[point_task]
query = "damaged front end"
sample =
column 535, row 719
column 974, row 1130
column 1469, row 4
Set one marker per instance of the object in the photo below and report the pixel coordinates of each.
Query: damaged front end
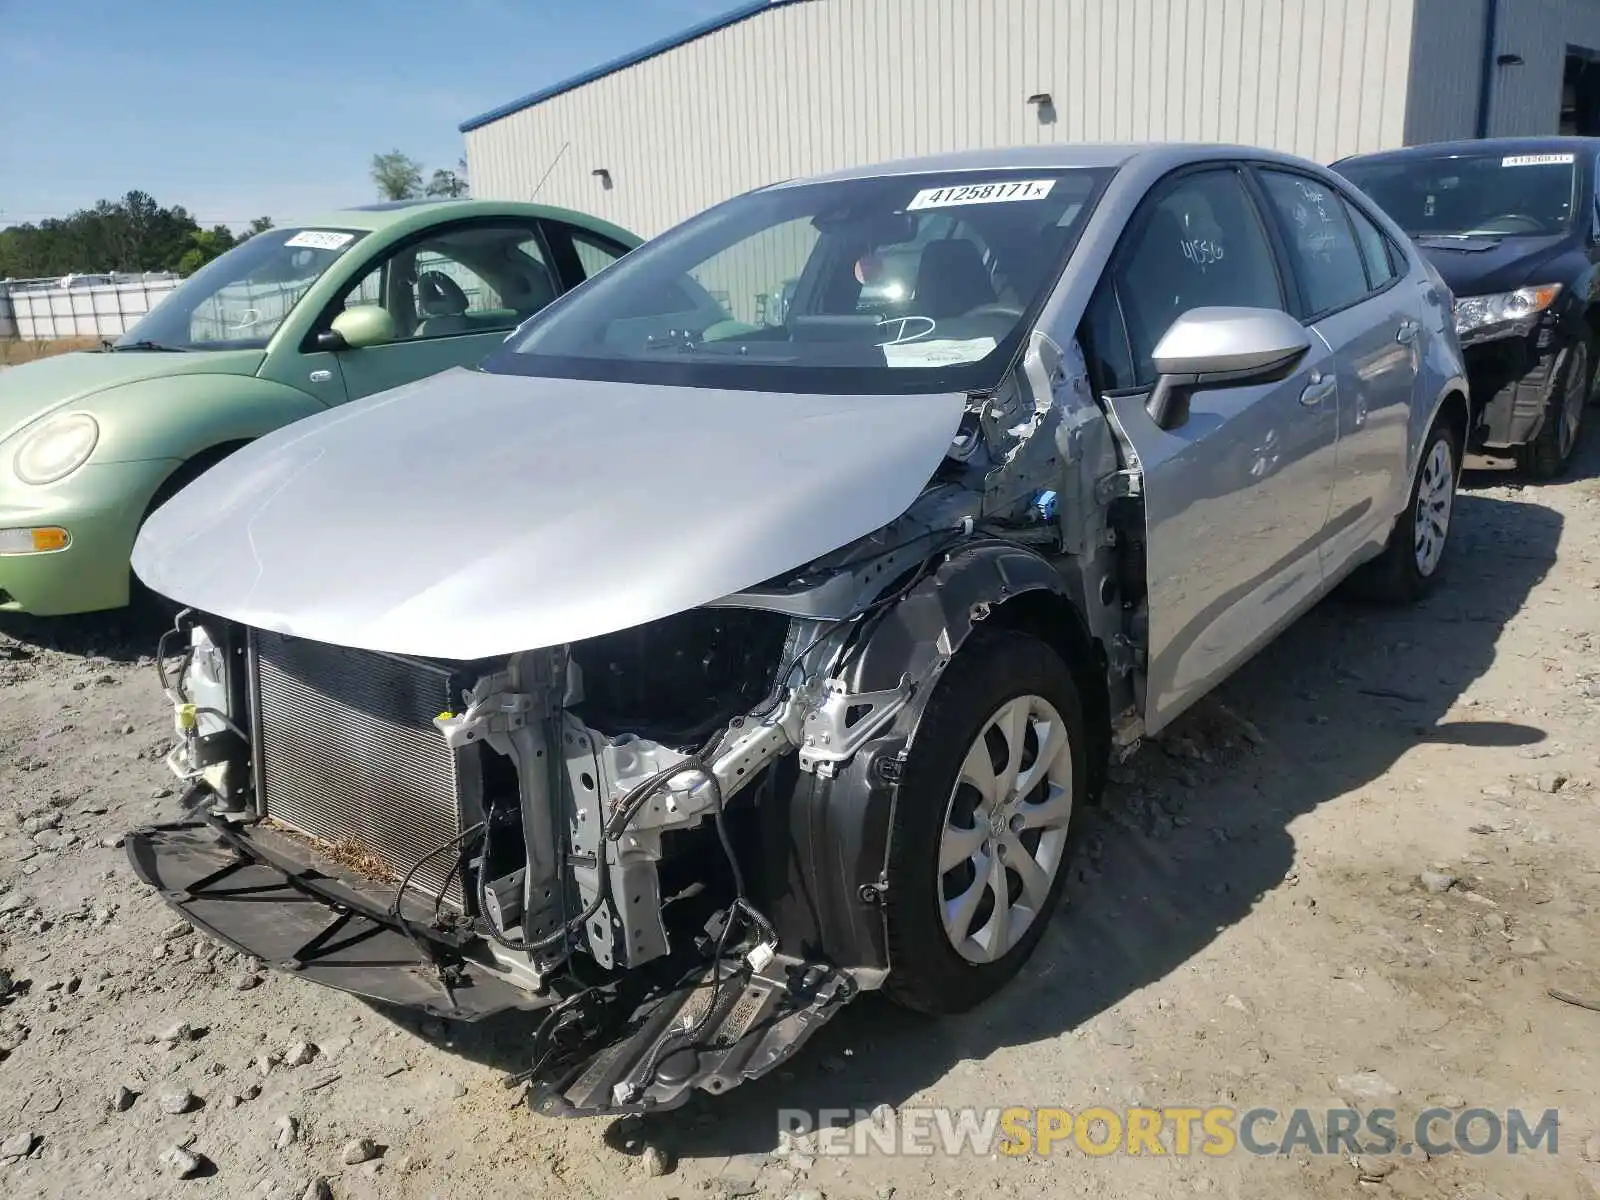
column 671, row 840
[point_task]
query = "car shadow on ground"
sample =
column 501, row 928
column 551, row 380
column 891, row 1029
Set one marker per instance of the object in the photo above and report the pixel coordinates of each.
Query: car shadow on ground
column 1163, row 866
column 123, row 635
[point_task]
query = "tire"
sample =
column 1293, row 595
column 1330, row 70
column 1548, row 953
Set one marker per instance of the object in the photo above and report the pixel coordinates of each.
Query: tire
column 1550, row 453
column 999, row 674
column 1404, row 573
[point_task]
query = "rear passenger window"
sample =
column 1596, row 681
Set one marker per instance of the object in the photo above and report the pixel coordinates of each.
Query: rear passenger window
column 1321, row 243
column 1375, row 251
column 1199, row 244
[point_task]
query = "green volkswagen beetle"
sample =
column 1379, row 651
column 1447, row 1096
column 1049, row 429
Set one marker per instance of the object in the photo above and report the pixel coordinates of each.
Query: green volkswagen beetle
column 287, row 324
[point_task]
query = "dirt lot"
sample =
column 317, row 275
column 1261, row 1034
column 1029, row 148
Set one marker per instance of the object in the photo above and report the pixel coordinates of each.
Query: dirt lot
column 1247, row 925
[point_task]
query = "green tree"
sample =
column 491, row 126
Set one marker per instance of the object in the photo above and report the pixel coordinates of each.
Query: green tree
column 259, row 225
column 447, row 184
column 134, row 233
column 204, row 245
column 397, row 176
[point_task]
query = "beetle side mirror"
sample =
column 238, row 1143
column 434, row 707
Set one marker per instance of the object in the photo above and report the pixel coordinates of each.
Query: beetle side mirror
column 1219, row 347
column 360, row 326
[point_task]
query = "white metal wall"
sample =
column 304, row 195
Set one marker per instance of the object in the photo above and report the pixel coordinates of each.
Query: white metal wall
column 830, row 83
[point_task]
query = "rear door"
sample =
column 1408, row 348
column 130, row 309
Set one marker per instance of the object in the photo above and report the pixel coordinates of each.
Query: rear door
column 1350, row 290
column 1235, row 496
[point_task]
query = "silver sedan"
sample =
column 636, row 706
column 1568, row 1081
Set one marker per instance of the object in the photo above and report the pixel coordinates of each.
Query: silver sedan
column 750, row 628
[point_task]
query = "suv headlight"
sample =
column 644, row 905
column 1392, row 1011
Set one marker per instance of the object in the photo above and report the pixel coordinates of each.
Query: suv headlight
column 57, row 448
column 1505, row 312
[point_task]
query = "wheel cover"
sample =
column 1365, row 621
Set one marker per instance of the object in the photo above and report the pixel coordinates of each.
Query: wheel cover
column 1436, row 493
column 1005, row 828
column 1574, row 397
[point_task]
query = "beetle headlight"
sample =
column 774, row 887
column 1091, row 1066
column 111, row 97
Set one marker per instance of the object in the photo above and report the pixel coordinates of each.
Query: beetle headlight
column 1505, row 312
column 57, row 448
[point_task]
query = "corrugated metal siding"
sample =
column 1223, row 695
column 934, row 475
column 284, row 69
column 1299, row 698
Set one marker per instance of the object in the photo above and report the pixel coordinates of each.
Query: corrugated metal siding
column 1446, row 56
column 1527, row 98
column 832, row 83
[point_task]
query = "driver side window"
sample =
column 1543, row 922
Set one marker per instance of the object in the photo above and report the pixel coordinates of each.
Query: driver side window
column 466, row 280
column 1196, row 242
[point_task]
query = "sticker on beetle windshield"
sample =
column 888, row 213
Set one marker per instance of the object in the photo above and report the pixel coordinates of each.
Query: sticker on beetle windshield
column 321, row 239
column 939, row 352
column 998, row 192
column 1537, row 160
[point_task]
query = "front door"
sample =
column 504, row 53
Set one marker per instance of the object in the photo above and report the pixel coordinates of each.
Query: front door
column 1236, row 494
column 453, row 297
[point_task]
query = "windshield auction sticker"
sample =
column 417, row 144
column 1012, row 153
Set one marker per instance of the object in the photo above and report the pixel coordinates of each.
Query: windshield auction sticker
column 320, row 239
column 999, row 192
column 939, row 352
column 1537, row 160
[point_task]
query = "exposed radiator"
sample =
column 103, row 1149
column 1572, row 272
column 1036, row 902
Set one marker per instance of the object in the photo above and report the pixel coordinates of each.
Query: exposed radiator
column 346, row 751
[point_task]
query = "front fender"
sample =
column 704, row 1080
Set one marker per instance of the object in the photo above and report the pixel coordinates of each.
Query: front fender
column 825, row 837
column 921, row 634
column 180, row 417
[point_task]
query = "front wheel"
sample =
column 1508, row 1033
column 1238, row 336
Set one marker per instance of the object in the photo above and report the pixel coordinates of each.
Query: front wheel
column 979, row 840
column 1410, row 564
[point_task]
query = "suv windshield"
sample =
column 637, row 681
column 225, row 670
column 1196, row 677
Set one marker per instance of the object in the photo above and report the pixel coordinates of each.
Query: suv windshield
column 1463, row 195
column 238, row 300
column 897, row 284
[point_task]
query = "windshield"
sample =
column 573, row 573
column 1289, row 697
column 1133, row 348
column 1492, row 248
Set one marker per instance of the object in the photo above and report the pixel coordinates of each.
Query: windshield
column 238, row 300
column 1487, row 195
column 899, row 284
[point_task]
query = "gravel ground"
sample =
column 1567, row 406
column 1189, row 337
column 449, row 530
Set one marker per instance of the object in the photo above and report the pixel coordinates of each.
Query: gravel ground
column 1352, row 876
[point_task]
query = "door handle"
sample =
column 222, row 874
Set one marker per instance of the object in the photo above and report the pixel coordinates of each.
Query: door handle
column 1407, row 332
column 1319, row 389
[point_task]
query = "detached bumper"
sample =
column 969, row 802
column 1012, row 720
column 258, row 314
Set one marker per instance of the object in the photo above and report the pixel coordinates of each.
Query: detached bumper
column 243, row 891
column 1510, row 380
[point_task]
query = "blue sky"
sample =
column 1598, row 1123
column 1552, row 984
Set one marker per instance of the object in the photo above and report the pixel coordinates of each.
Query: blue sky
column 236, row 110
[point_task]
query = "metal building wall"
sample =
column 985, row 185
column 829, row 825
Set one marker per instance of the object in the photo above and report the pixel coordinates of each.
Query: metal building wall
column 1447, row 58
column 1527, row 98
column 812, row 86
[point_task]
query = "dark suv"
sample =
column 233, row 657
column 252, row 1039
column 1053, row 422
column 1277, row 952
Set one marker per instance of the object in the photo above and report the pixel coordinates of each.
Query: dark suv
column 1513, row 228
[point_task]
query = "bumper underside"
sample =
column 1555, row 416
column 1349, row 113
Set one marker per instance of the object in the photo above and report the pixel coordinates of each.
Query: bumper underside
column 1510, row 381
column 258, row 898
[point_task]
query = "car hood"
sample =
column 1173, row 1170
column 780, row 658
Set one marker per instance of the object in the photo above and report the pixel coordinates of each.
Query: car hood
column 1486, row 265
column 472, row 515
column 32, row 390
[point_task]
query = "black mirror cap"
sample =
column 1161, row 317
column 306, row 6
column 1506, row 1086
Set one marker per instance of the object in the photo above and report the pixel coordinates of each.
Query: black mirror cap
column 329, row 339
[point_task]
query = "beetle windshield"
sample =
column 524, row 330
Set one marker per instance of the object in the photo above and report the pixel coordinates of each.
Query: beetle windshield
column 1472, row 195
column 238, row 300
column 894, row 284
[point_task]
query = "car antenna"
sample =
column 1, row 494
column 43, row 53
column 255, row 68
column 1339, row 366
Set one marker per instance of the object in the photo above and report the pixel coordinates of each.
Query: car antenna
column 547, row 170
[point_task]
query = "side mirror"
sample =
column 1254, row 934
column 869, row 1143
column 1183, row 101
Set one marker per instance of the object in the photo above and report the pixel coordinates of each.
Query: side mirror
column 1212, row 347
column 358, row 327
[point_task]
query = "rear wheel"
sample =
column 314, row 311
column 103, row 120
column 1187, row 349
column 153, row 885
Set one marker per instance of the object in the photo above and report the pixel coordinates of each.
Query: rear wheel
column 979, row 844
column 1550, row 453
column 1411, row 562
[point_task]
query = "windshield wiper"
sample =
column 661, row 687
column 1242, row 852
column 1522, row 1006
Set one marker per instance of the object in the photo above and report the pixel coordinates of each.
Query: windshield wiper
column 149, row 345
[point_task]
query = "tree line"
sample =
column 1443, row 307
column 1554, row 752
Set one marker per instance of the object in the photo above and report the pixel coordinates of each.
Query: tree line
column 131, row 234
column 135, row 234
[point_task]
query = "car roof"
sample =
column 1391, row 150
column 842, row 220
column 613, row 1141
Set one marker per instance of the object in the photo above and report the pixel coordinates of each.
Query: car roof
column 1056, row 156
column 1552, row 143
column 407, row 215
